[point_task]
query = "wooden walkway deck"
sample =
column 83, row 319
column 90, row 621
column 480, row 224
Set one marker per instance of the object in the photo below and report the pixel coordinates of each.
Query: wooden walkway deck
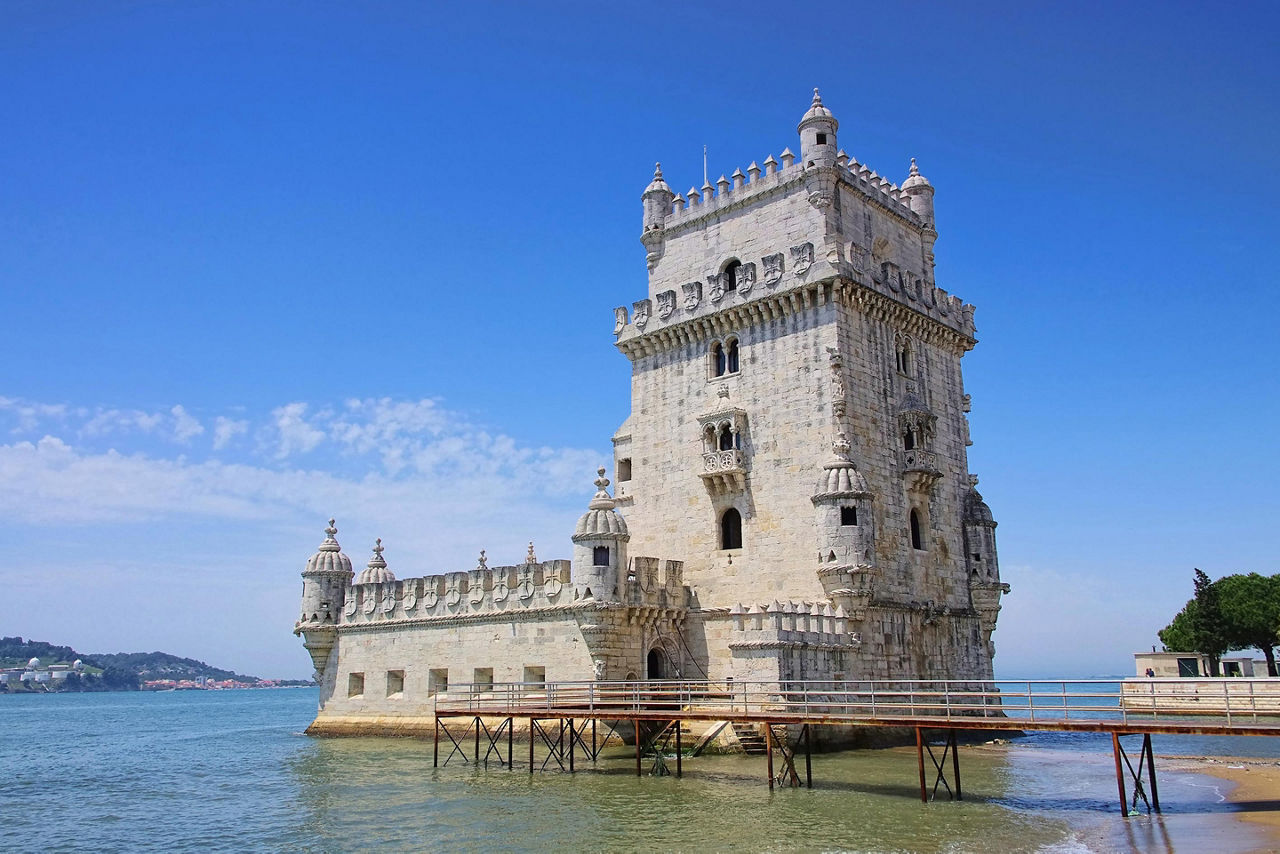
column 933, row 709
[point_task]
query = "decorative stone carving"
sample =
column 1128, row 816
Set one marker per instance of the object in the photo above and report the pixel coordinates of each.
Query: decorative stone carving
column 500, row 591
column 642, row 308
column 410, row 597
column 350, row 608
column 802, row 258
column 553, row 586
column 619, row 319
column 746, row 278
column 530, row 558
column 599, row 667
column 859, row 257
column 666, row 304
column 716, row 285
column 389, row 599
column 772, row 269
column 370, row 604
column 430, row 597
column 692, row 295
column 838, row 398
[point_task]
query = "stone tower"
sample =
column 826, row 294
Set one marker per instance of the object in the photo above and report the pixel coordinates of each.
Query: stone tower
column 793, row 335
column 324, row 587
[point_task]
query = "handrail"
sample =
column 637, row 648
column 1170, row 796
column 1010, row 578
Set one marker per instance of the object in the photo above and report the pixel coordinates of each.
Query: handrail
column 1078, row 701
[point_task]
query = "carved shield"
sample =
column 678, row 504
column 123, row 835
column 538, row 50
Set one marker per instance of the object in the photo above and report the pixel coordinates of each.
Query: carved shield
column 716, row 285
column 641, row 308
column 692, row 295
column 802, row 258
column 619, row 319
column 746, row 277
column 666, row 304
column 772, row 269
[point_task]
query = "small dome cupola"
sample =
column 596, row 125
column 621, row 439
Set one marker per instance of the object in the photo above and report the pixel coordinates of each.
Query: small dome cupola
column 919, row 192
column 599, row 546
column 329, row 559
column 818, row 135
column 376, row 572
column 657, row 201
column 602, row 520
column 840, row 477
column 976, row 511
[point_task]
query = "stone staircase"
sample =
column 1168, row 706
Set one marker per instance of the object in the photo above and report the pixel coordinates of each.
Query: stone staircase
column 749, row 738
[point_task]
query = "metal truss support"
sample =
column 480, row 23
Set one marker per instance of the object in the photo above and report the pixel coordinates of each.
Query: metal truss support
column 1147, row 759
column 788, row 774
column 939, row 766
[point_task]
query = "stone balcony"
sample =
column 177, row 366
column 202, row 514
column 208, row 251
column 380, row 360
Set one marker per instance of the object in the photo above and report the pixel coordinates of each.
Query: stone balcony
column 920, row 469
column 723, row 471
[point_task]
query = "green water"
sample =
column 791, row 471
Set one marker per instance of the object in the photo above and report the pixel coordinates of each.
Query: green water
column 231, row 771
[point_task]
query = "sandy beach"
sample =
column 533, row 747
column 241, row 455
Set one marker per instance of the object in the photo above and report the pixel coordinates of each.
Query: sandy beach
column 1256, row 785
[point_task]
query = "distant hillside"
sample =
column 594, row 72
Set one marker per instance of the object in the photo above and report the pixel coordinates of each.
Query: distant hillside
column 162, row 665
column 118, row 671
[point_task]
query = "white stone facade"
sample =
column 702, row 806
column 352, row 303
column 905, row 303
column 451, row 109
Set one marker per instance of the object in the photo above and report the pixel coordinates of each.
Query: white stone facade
column 796, row 450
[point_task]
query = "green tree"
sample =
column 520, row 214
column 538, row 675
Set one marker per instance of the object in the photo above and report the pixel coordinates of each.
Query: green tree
column 1250, row 608
column 1200, row 625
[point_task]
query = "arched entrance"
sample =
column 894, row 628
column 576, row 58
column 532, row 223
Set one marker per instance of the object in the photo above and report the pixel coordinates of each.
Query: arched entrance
column 657, row 666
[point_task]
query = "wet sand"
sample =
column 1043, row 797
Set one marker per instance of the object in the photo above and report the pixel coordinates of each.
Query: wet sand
column 1255, row 791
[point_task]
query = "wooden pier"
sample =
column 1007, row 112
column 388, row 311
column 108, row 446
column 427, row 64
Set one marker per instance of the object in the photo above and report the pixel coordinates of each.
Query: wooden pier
column 559, row 716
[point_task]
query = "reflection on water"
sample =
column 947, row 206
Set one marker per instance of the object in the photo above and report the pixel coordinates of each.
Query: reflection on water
column 202, row 770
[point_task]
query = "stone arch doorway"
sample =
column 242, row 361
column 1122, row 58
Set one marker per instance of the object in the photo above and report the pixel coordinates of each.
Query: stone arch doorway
column 657, row 664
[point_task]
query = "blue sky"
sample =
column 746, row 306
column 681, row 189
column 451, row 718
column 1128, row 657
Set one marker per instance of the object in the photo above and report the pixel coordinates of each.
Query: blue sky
column 268, row 262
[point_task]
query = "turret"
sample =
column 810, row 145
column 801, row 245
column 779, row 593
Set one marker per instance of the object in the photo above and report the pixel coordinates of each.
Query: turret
column 846, row 533
column 919, row 193
column 599, row 546
column 324, row 589
column 985, row 586
column 818, row 135
column 657, row 206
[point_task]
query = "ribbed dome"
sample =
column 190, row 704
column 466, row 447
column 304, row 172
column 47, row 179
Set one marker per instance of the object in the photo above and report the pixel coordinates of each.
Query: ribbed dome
column 657, row 184
column 818, row 111
column 915, row 179
column 376, row 572
column 329, row 557
column 840, row 477
column 601, row 521
column 976, row 510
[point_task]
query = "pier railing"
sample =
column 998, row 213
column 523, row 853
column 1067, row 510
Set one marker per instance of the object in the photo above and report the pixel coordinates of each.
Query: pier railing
column 1225, row 701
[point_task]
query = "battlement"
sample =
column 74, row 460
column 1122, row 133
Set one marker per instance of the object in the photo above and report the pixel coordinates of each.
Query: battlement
column 760, row 626
column 649, row 582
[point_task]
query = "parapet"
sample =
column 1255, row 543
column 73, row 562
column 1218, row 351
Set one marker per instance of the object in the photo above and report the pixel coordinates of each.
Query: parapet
column 817, row 625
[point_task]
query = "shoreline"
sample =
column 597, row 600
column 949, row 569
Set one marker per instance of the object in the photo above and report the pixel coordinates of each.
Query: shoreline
column 1255, row 786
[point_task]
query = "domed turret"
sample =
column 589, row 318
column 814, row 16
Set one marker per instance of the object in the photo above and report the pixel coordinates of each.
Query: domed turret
column 376, row 572
column 329, row 557
column 599, row 545
column 657, row 205
column 846, row 532
column 818, row 135
column 919, row 192
column 324, row 590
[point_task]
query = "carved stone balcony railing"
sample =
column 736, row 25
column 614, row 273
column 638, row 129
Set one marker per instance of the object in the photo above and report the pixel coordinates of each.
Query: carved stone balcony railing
column 920, row 469
column 723, row 471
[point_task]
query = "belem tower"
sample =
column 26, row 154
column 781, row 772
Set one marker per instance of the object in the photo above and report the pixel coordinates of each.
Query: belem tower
column 792, row 497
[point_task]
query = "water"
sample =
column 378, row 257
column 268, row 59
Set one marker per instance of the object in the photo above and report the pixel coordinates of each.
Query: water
column 221, row 771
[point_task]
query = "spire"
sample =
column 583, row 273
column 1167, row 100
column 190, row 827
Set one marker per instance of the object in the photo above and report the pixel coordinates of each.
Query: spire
column 530, row 557
column 915, row 179
column 602, row 499
column 330, row 543
column 657, row 184
column 376, row 562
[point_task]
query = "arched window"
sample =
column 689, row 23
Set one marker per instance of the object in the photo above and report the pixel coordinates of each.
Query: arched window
column 719, row 360
column 916, row 542
column 909, row 439
column 726, row 438
column 731, row 275
column 731, row 529
column 600, row 556
column 732, row 357
column 904, row 356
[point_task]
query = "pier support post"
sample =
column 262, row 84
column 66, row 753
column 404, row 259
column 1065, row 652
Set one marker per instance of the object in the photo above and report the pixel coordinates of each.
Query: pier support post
column 511, row 738
column 1151, row 771
column 768, row 750
column 1115, row 750
column 477, row 754
column 808, row 764
column 531, row 724
column 679, row 767
column 924, row 794
column 571, row 745
column 955, row 764
column 435, row 749
column 638, row 736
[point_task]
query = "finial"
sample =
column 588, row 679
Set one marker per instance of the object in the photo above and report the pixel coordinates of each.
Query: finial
column 332, row 530
column 531, row 557
column 817, row 99
column 601, row 482
column 657, row 170
column 377, row 546
column 484, row 561
column 915, row 170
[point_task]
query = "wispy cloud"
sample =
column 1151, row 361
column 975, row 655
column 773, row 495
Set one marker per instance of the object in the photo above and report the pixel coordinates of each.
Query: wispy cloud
column 225, row 430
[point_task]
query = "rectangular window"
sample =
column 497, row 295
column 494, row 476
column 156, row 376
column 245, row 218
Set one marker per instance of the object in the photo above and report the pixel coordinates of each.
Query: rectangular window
column 1188, row 667
column 395, row 683
column 535, row 675
column 848, row 515
column 624, row 470
column 355, row 685
column 483, row 679
column 438, row 680
column 822, row 139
